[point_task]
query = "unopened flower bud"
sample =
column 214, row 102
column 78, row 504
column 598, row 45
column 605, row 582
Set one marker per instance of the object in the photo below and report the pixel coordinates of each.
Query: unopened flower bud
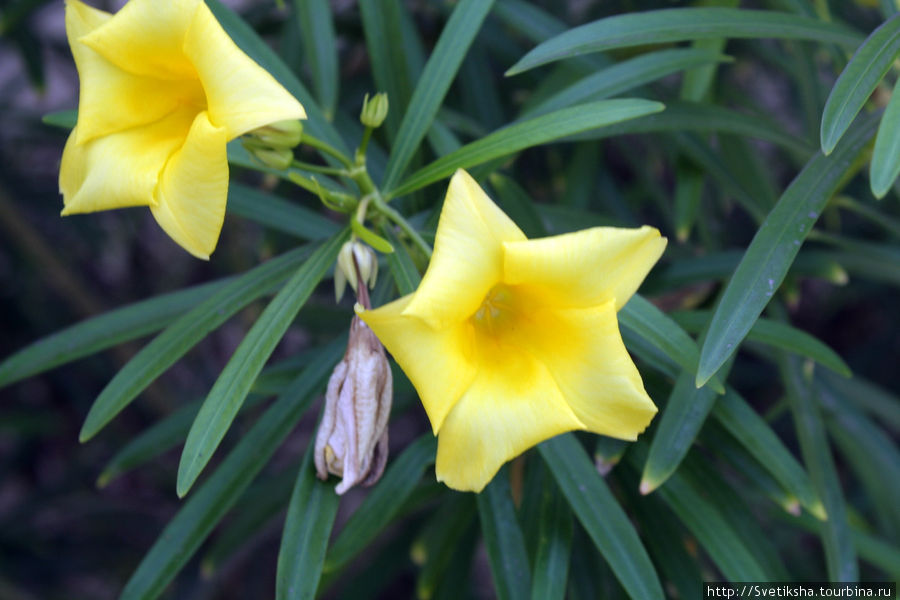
column 354, row 255
column 352, row 441
column 274, row 158
column 374, row 111
column 283, row 134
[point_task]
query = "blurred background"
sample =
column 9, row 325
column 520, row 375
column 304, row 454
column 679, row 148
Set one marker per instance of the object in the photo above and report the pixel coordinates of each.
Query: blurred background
column 61, row 536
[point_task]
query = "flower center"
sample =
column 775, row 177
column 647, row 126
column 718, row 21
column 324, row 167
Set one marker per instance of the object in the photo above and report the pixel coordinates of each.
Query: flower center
column 497, row 310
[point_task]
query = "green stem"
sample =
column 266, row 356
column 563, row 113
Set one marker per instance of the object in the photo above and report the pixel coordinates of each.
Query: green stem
column 324, row 147
column 389, row 211
column 318, row 168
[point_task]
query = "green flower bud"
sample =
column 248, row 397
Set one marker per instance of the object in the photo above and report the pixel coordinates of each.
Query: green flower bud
column 283, row 134
column 374, row 111
column 275, row 158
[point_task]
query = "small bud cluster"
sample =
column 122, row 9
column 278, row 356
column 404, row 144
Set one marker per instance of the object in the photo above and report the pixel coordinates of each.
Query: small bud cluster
column 273, row 145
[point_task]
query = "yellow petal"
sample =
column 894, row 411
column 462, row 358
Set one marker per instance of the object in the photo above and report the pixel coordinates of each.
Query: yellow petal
column 512, row 404
column 468, row 255
column 241, row 95
column 82, row 19
column 438, row 363
column 121, row 169
column 193, row 189
column 583, row 350
column 146, row 37
column 585, row 268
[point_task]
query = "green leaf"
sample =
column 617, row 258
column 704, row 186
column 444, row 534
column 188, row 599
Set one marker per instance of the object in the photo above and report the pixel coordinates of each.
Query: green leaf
column 195, row 520
column 779, row 335
column 383, row 502
column 554, row 545
column 706, row 118
column 624, row 76
column 257, row 49
column 320, row 48
column 755, row 435
column 396, row 59
column 441, row 68
column 878, row 402
column 525, row 134
column 681, row 24
column 503, row 539
column 516, row 203
column 704, row 519
column 277, row 213
column 182, row 335
column 858, row 80
column 601, row 516
column 871, row 452
column 403, row 269
column 307, row 528
column 688, row 196
column 234, row 383
column 260, row 505
column 885, row 164
column 451, row 528
column 682, row 418
column 773, row 249
column 840, row 556
column 643, row 318
column 104, row 331
column 65, row 119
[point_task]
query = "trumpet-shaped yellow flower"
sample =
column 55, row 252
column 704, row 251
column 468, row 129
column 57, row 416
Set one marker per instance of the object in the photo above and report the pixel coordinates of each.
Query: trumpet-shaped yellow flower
column 163, row 88
column 510, row 341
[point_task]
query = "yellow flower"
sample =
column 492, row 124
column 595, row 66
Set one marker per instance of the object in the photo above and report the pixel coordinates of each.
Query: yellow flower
column 163, row 88
column 511, row 341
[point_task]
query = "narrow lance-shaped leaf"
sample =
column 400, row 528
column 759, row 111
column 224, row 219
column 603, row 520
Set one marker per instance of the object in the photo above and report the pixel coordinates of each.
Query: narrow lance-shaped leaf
column 724, row 546
column 682, row 116
column 525, row 134
column 277, row 213
column 383, row 503
column 182, row 335
column 626, row 75
column 195, row 520
column 642, row 317
column 840, row 555
column 503, row 539
column 320, row 46
column 554, row 545
column 234, row 383
column 441, row 68
column 755, row 435
column 885, row 164
column 682, row 418
column 777, row 334
column 773, row 249
column 858, row 80
column 103, row 331
column 396, row 58
column 601, row 516
column 680, row 24
column 307, row 528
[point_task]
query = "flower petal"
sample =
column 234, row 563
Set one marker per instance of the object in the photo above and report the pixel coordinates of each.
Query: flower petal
column 585, row 268
column 468, row 255
column 438, row 363
column 193, row 189
column 146, row 37
column 583, row 350
column 512, row 404
column 121, row 169
column 241, row 95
